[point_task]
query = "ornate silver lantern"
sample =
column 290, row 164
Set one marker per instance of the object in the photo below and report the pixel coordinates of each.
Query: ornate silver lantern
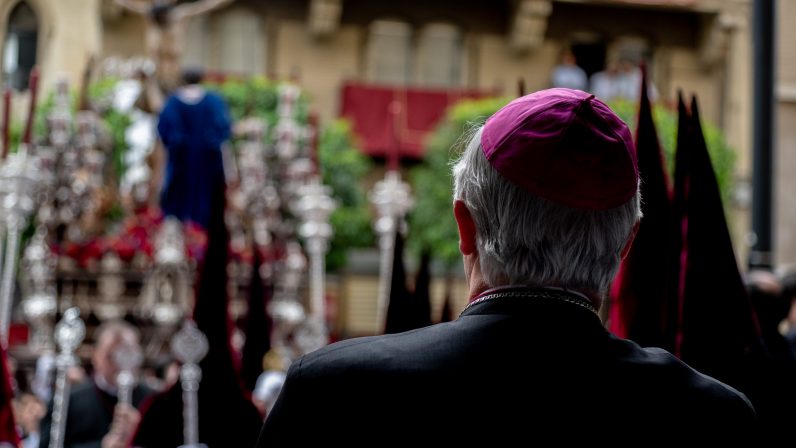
column 39, row 305
column 19, row 179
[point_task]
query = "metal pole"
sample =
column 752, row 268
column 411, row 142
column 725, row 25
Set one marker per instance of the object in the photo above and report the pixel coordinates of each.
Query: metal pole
column 190, row 376
column 9, row 274
column 387, row 246
column 760, row 255
column 60, row 401
column 190, row 346
column 317, row 254
column 69, row 334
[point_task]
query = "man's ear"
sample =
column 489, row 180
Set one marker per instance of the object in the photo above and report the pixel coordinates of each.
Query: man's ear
column 629, row 243
column 464, row 220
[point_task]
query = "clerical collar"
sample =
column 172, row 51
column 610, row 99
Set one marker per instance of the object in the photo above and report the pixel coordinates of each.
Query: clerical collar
column 530, row 293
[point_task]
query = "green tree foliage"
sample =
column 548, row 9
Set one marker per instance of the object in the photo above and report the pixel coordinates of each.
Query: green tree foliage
column 431, row 222
column 721, row 154
column 258, row 97
column 344, row 167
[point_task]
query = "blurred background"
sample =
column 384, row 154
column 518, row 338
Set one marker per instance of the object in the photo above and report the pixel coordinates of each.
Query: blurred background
column 360, row 89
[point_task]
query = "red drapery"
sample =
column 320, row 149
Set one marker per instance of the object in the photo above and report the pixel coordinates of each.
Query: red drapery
column 387, row 117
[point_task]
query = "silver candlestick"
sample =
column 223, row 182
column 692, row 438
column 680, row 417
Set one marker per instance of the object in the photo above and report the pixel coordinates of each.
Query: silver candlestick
column 19, row 178
column 314, row 207
column 59, row 120
column 393, row 199
column 69, row 334
column 190, row 346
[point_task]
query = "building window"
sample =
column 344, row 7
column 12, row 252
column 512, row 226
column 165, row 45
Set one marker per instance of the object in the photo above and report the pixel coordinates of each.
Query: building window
column 439, row 56
column 230, row 42
column 241, row 38
column 197, row 43
column 389, row 52
column 19, row 50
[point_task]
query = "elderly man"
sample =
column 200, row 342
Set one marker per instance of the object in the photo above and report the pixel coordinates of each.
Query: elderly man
column 95, row 419
column 546, row 200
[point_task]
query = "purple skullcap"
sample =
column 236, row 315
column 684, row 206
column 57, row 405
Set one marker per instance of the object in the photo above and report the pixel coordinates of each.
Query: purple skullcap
column 566, row 146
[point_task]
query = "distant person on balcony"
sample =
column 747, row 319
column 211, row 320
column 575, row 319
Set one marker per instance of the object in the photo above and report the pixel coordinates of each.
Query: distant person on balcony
column 620, row 81
column 606, row 84
column 547, row 203
column 193, row 125
column 568, row 74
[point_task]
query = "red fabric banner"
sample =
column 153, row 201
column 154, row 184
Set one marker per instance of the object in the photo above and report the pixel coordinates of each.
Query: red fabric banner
column 385, row 118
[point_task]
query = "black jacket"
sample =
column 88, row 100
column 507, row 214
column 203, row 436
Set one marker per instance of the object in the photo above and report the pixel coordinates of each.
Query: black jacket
column 89, row 416
column 518, row 370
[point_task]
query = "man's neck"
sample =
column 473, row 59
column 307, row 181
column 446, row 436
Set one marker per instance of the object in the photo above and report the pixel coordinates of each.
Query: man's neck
column 191, row 93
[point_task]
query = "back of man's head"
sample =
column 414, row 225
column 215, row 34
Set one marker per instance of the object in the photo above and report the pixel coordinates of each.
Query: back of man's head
column 551, row 181
column 192, row 75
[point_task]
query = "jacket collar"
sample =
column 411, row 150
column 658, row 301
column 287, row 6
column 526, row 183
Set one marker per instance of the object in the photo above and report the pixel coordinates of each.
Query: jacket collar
column 519, row 296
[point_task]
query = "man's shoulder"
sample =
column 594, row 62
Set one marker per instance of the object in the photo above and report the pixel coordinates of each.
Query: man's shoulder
column 678, row 378
column 378, row 353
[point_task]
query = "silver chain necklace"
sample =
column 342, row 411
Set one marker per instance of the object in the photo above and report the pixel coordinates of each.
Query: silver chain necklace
column 549, row 294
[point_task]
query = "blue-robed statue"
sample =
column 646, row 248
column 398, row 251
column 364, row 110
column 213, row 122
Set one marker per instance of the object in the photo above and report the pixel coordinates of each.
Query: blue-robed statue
column 193, row 125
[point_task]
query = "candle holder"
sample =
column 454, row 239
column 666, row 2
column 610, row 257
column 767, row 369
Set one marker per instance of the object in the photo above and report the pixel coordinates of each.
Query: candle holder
column 19, row 181
column 393, row 199
column 314, row 207
column 39, row 305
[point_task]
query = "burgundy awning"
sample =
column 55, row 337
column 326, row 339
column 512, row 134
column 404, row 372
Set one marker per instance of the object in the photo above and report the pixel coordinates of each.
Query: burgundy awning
column 386, row 117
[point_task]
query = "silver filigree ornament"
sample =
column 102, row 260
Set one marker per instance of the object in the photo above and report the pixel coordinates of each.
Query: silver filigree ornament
column 19, row 184
column 315, row 206
column 190, row 346
column 39, row 305
column 69, row 334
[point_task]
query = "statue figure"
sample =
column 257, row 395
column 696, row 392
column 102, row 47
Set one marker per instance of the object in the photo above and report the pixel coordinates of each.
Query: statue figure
column 167, row 24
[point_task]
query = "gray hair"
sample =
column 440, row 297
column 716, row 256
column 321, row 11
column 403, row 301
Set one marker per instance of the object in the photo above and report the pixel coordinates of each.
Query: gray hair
column 526, row 240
